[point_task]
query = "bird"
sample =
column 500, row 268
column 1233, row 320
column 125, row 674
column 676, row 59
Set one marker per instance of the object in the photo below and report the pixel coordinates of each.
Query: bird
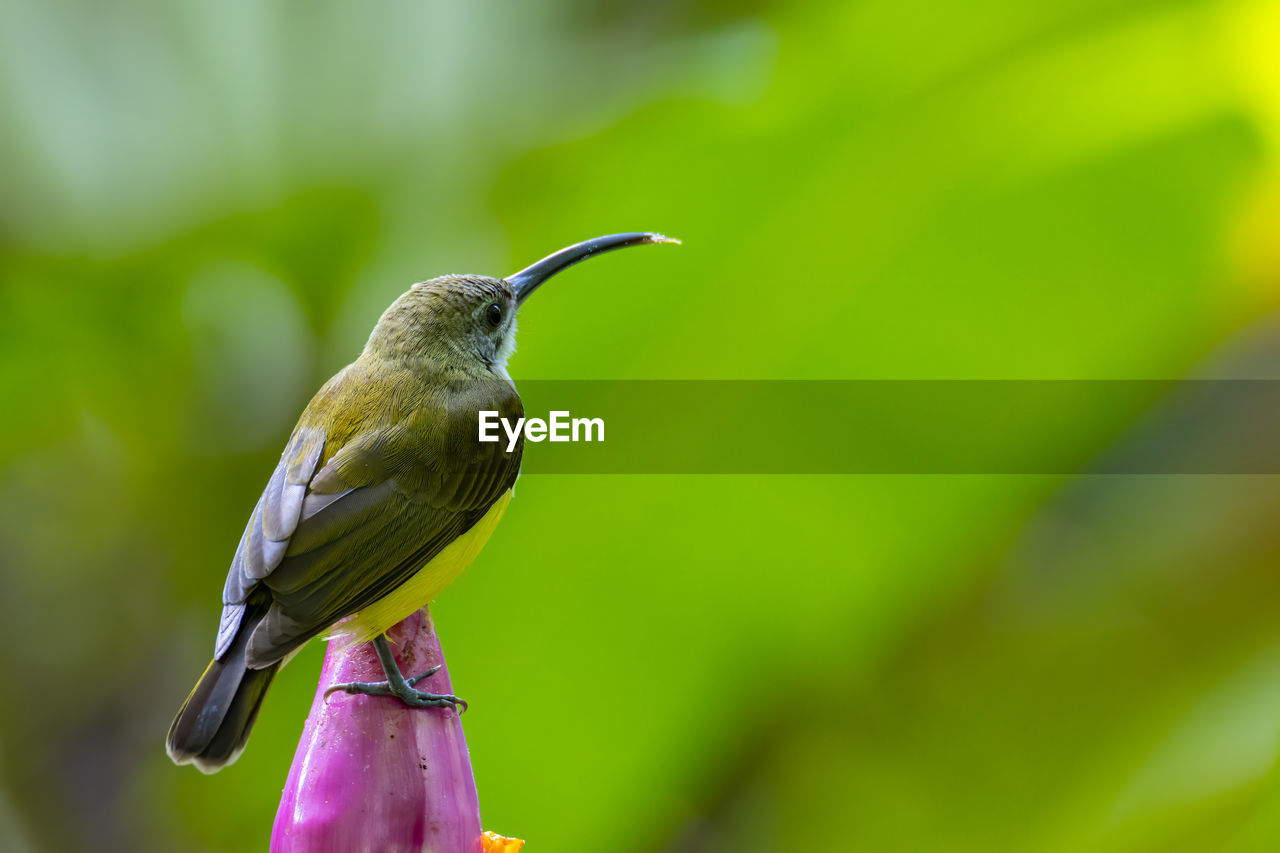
column 382, row 496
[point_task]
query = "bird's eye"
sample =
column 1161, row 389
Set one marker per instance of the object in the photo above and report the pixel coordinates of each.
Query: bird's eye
column 493, row 314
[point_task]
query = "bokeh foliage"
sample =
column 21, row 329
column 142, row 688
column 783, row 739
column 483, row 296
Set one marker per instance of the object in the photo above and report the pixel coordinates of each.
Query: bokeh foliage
column 206, row 206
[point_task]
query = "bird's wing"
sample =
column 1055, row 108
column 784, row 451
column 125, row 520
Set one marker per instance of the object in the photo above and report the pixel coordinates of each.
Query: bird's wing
column 271, row 526
column 335, row 530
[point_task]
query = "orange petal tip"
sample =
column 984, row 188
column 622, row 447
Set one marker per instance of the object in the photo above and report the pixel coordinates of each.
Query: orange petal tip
column 492, row 842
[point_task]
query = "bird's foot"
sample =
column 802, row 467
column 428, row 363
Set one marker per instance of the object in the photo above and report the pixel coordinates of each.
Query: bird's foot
column 402, row 690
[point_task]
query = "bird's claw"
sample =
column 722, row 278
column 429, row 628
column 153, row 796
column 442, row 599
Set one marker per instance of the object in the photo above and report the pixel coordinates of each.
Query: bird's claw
column 420, row 699
column 361, row 688
column 404, row 692
column 427, row 674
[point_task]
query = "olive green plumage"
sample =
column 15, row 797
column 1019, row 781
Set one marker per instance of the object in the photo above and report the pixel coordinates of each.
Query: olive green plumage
column 382, row 474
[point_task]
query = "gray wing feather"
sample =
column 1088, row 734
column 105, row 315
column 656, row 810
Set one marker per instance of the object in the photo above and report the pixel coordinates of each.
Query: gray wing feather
column 313, row 503
column 284, row 503
column 256, row 566
column 266, row 538
column 232, row 614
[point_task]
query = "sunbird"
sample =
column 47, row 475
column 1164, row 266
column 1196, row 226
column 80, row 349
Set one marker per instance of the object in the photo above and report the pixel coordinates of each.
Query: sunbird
column 383, row 495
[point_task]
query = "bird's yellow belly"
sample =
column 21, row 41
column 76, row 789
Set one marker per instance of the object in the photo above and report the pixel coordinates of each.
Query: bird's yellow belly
column 426, row 584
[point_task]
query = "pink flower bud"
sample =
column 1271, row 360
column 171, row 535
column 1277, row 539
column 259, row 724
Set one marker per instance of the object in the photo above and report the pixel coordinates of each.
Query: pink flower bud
column 374, row 774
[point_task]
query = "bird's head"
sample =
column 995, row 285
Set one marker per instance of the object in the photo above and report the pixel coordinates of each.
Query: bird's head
column 469, row 321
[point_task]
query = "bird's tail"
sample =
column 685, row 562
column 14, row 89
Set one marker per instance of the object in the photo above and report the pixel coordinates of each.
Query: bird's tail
column 212, row 726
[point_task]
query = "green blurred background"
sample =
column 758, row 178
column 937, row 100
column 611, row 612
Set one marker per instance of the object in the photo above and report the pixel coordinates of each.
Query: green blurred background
column 205, row 207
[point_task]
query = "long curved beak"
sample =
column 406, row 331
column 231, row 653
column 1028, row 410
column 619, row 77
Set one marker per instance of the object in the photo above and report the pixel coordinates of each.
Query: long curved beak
column 531, row 278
